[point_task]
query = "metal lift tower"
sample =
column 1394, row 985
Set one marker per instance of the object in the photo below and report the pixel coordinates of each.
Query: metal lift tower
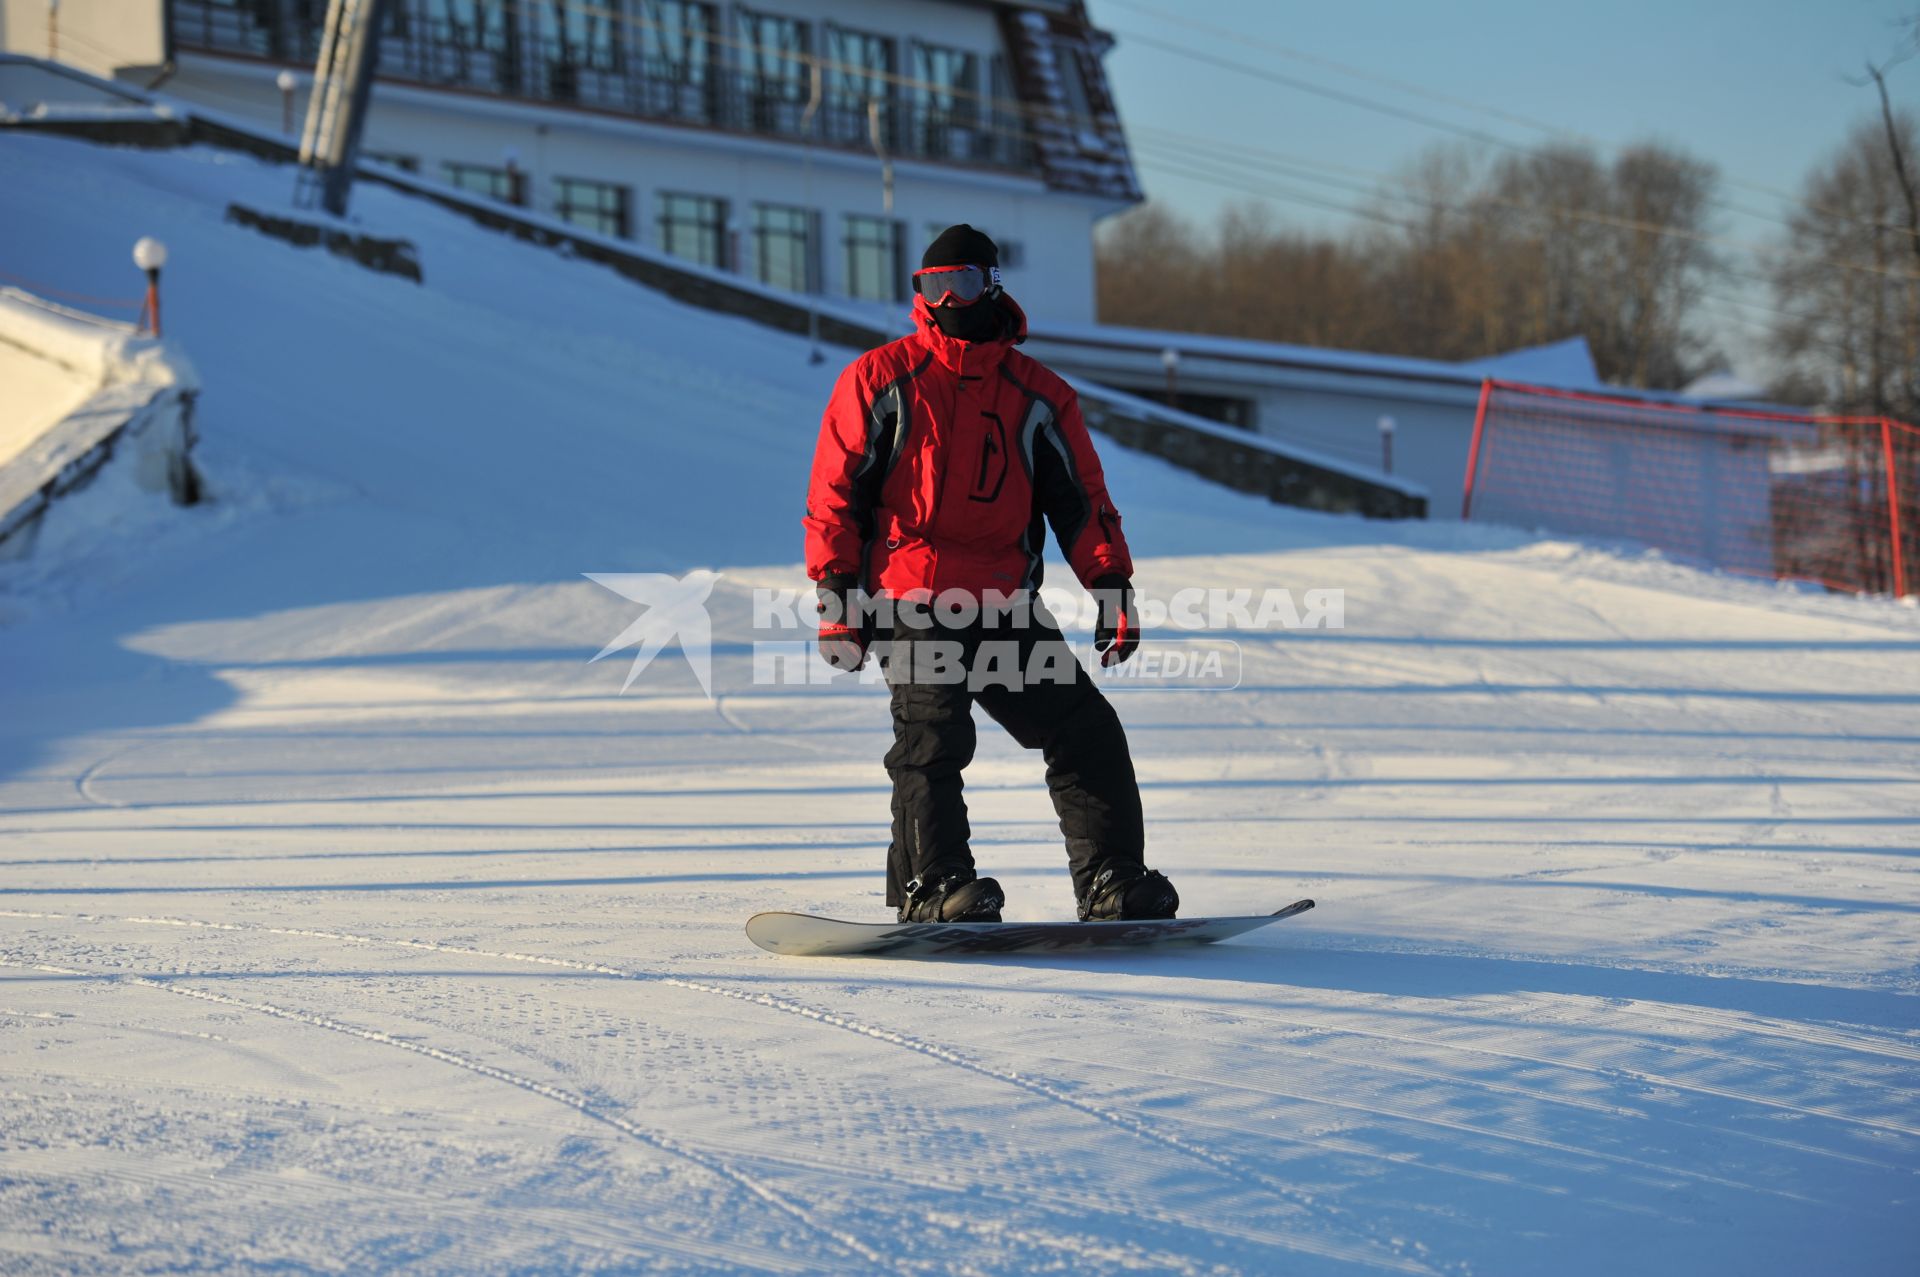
column 337, row 109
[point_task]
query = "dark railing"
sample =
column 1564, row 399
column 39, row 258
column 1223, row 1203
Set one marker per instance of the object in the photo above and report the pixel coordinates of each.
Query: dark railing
column 538, row 65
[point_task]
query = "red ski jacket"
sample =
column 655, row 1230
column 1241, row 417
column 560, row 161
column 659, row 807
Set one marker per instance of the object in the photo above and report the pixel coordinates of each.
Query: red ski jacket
column 940, row 463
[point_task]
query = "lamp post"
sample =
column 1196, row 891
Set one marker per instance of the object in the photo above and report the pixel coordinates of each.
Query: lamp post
column 287, row 83
column 1386, row 444
column 516, row 180
column 1171, row 359
column 877, row 135
column 150, row 255
column 813, row 268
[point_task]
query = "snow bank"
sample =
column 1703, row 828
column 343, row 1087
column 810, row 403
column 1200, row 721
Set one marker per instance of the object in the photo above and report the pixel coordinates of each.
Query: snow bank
column 80, row 392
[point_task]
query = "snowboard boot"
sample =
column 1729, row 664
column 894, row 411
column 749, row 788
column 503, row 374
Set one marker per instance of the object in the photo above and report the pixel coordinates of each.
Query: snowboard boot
column 1127, row 892
column 955, row 896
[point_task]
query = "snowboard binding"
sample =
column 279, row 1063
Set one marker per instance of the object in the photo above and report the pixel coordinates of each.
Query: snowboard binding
column 1125, row 893
column 956, row 896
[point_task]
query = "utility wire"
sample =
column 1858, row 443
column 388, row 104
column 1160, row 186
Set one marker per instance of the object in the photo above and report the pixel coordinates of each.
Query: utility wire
column 1314, row 59
column 1307, row 86
column 1194, row 148
column 1403, row 86
column 1198, row 169
column 1202, row 168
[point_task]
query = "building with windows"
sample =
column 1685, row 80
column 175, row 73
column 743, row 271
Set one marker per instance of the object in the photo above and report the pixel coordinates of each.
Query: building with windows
column 814, row 145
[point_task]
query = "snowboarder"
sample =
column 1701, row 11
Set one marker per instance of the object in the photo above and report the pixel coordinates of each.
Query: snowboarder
column 942, row 456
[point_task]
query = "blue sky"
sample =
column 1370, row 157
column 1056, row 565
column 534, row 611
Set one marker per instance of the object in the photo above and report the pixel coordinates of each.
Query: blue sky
column 1754, row 86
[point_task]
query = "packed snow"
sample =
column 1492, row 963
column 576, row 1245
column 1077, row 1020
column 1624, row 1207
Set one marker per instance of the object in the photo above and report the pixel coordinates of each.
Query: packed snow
column 352, row 921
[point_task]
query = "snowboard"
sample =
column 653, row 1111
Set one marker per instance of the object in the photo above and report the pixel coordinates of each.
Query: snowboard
column 803, row 935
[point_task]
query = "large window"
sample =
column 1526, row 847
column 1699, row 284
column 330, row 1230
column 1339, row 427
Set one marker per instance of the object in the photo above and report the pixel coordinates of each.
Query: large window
column 589, row 33
column 874, row 270
column 472, row 24
column 1006, row 122
column 464, row 42
column 501, row 184
column 773, row 54
column 580, row 44
column 859, row 68
column 598, row 206
column 694, row 227
column 677, row 50
column 1073, row 86
column 783, row 247
column 945, row 95
column 242, row 25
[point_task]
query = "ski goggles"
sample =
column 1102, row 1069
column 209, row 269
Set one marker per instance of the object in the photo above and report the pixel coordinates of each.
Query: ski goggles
column 964, row 285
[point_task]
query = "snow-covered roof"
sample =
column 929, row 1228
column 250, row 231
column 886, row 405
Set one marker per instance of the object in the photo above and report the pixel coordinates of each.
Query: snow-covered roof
column 35, row 87
column 1094, row 392
column 1724, row 385
column 1246, row 350
column 1564, row 365
column 1567, row 365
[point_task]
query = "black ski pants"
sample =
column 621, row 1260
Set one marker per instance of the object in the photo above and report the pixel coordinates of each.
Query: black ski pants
column 1061, row 713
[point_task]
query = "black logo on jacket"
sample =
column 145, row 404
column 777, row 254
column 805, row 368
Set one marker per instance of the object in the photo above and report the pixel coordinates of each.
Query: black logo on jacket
column 992, row 470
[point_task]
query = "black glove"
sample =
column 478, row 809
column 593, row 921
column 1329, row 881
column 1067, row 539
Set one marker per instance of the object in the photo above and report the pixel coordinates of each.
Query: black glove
column 1117, row 633
column 841, row 643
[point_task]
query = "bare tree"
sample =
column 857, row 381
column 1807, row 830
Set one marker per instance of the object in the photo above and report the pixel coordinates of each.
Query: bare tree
column 1661, row 262
column 1902, row 170
column 1155, row 272
column 1460, row 258
column 1846, row 284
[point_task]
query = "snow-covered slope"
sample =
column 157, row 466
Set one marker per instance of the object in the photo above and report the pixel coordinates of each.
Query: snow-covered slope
column 350, row 921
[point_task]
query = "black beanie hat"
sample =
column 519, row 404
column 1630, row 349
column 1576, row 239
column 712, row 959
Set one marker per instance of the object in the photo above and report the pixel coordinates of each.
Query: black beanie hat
column 960, row 246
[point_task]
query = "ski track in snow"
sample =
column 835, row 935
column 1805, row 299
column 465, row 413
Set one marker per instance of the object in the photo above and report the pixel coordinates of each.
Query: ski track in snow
column 1052, row 1091
column 559, row 1095
column 1616, row 966
column 932, row 1050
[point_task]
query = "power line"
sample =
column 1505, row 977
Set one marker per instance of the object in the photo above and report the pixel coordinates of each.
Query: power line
column 1552, row 130
column 1306, row 86
column 1238, row 152
column 1314, row 59
column 1381, row 107
column 1204, row 168
column 1201, row 168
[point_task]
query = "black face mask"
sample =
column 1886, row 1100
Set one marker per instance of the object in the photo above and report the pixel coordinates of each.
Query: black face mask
column 982, row 321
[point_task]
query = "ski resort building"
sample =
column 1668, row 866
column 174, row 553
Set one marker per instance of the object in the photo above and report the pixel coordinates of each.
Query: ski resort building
column 813, row 145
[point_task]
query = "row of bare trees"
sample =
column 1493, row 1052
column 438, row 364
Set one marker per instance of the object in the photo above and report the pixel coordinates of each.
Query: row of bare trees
column 1458, row 258
column 1846, row 285
column 1467, row 255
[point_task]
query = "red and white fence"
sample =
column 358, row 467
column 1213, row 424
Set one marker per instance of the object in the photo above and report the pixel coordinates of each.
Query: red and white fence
column 1821, row 498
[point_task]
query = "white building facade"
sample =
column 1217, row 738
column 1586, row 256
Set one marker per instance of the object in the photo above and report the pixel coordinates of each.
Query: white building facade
column 684, row 125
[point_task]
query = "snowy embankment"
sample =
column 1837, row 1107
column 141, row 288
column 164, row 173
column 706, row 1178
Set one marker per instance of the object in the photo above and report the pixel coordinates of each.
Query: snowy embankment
column 351, row 922
column 85, row 401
